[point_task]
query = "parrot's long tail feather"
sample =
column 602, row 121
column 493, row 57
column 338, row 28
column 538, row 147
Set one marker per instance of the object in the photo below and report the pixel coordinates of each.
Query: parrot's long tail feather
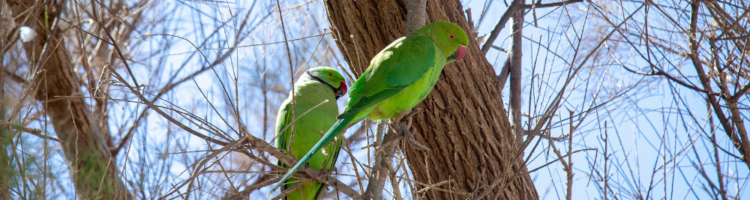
column 337, row 128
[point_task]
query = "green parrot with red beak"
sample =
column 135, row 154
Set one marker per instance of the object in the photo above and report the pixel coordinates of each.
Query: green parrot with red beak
column 398, row 78
column 315, row 108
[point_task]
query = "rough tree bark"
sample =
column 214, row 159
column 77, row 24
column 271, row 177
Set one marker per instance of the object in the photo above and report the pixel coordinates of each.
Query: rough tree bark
column 463, row 121
column 57, row 87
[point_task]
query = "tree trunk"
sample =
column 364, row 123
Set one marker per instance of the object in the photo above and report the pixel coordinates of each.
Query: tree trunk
column 463, row 121
column 57, row 87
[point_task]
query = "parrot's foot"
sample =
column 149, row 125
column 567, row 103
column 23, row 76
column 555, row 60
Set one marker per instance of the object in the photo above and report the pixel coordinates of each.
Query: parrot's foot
column 407, row 114
column 409, row 136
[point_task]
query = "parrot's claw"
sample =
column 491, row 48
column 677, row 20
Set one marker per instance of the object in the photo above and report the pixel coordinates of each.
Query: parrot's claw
column 419, row 146
column 401, row 115
column 412, row 113
column 407, row 114
column 409, row 136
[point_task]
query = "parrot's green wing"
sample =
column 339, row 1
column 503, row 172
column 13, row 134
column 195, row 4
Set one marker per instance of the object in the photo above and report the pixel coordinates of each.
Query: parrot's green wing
column 365, row 101
column 285, row 116
column 399, row 65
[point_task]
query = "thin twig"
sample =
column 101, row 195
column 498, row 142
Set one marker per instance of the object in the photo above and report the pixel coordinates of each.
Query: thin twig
column 32, row 131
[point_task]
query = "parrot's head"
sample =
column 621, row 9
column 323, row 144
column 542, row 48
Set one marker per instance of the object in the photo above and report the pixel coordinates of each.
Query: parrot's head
column 330, row 77
column 450, row 37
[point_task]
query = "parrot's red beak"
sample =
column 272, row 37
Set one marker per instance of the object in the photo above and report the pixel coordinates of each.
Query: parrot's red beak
column 460, row 52
column 342, row 90
column 458, row 55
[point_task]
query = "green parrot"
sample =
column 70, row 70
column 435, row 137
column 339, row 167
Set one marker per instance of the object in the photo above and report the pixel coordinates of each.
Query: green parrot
column 399, row 77
column 314, row 87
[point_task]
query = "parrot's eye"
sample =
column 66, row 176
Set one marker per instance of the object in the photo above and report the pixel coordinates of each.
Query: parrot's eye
column 330, row 74
column 452, row 36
